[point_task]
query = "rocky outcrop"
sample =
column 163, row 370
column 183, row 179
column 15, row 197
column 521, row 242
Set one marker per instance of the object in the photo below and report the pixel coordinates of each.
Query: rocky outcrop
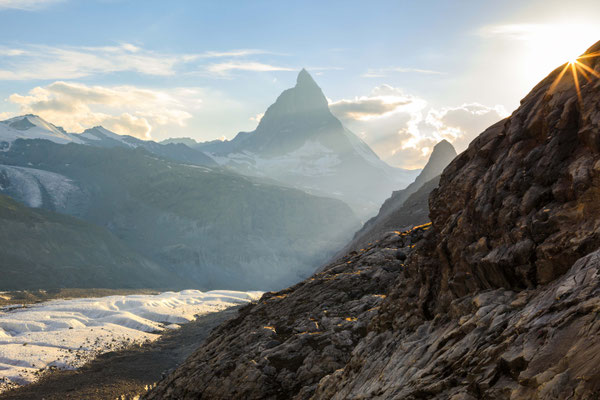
column 497, row 344
column 521, row 204
column 499, row 300
column 443, row 153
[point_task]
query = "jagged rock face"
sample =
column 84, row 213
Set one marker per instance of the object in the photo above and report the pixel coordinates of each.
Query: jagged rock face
column 497, row 344
column 491, row 304
column 522, row 203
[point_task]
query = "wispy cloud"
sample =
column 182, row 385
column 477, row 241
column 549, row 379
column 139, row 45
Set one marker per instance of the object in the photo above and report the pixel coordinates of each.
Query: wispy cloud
column 383, row 72
column 223, row 69
column 28, row 5
column 72, row 62
column 69, row 62
column 235, row 53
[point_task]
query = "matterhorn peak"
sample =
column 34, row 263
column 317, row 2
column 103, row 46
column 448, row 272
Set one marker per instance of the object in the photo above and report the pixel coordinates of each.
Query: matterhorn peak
column 304, row 79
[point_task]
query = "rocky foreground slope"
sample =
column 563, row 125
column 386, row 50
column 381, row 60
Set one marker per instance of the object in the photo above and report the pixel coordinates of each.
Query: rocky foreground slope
column 498, row 300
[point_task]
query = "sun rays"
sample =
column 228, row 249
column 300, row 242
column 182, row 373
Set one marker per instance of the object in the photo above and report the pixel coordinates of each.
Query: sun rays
column 577, row 67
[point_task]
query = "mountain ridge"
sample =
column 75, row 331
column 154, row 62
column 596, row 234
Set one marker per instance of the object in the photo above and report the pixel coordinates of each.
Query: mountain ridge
column 210, row 226
column 407, row 207
column 31, row 126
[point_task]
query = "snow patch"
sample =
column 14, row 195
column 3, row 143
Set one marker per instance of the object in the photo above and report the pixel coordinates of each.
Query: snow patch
column 100, row 133
column 27, row 184
column 68, row 333
column 312, row 159
column 35, row 128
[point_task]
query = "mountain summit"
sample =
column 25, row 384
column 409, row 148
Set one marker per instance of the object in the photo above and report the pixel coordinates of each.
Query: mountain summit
column 299, row 114
column 440, row 157
column 407, row 207
column 301, row 143
column 32, row 127
column 304, row 78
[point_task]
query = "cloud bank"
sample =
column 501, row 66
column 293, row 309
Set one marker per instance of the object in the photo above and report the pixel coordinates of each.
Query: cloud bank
column 122, row 109
column 403, row 128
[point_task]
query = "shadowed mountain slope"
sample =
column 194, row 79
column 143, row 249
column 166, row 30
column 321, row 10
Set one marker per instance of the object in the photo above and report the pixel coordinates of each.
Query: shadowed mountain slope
column 211, row 227
column 42, row 249
column 407, row 207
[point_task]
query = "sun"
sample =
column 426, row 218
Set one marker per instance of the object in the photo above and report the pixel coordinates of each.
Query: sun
column 577, row 67
column 539, row 48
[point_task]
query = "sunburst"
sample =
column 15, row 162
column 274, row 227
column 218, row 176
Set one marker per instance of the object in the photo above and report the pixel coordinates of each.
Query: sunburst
column 577, row 67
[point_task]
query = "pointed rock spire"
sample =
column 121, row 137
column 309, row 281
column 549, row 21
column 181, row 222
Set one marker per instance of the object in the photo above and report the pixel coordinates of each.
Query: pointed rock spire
column 304, row 79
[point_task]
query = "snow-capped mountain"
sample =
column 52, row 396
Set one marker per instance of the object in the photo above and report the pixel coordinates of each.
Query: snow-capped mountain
column 34, row 127
column 99, row 134
column 301, row 143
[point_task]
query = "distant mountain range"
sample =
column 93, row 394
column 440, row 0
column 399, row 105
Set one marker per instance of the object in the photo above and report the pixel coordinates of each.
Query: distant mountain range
column 261, row 211
column 299, row 142
column 33, row 127
column 171, row 205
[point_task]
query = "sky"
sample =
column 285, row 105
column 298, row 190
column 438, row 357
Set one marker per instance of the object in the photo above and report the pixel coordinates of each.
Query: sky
column 402, row 75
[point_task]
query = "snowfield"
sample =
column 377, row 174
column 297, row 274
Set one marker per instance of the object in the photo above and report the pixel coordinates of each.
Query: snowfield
column 66, row 334
column 29, row 184
column 311, row 159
